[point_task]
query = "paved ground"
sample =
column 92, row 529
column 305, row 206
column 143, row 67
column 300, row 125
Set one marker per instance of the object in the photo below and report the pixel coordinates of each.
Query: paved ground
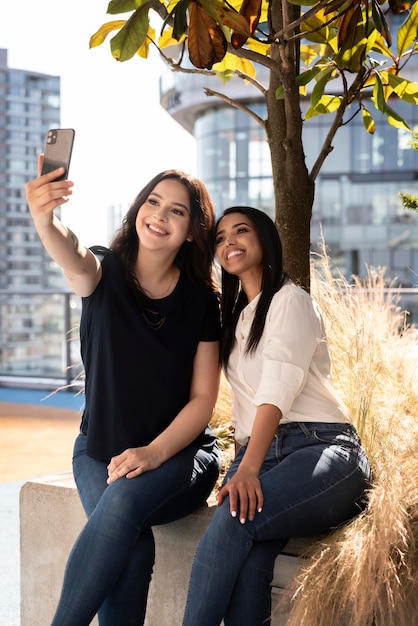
column 36, row 437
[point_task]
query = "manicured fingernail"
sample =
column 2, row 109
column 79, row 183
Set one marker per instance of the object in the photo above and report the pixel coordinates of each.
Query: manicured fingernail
column 233, row 513
column 260, row 509
column 242, row 520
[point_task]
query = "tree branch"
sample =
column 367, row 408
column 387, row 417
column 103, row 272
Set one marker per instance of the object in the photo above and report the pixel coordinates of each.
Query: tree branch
column 291, row 26
column 338, row 121
column 250, row 55
column 175, row 67
column 304, row 34
column 185, row 70
column 251, row 80
column 236, row 105
column 160, row 9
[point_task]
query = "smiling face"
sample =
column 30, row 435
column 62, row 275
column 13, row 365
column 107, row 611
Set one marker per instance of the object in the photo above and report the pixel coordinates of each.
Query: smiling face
column 238, row 246
column 163, row 221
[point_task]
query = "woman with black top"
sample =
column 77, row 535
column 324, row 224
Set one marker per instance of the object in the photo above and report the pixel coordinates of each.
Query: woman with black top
column 149, row 342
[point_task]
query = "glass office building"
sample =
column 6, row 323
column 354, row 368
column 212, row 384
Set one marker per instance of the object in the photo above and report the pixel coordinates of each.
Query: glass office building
column 356, row 207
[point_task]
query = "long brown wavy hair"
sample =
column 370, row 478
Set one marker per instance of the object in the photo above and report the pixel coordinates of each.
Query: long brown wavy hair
column 195, row 257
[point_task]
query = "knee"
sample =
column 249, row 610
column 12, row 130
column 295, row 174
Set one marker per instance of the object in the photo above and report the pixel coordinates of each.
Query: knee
column 117, row 503
column 223, row 524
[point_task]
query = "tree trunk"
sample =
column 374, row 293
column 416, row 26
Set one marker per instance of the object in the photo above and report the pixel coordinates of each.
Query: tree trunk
column 293, row 188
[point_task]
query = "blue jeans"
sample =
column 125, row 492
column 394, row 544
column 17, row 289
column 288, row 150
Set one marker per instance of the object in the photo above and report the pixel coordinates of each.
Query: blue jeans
column 313, row 478
column 109, row 569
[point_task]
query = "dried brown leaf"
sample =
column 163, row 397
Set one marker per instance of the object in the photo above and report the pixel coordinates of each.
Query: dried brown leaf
column 206, row 41
column 251, row 10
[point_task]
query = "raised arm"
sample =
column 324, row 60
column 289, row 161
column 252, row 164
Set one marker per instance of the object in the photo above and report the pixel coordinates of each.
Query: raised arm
column 81, row 268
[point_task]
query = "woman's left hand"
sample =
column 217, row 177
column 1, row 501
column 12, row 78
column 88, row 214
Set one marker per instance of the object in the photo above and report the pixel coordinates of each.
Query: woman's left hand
column 133, row 462
column 245, row 495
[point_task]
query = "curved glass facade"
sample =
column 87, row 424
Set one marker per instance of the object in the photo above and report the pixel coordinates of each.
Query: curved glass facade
column 356, row 206
column 234, row 158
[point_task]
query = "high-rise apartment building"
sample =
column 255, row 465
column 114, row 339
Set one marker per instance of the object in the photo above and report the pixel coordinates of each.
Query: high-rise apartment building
column 33, row 314
column 29, row 106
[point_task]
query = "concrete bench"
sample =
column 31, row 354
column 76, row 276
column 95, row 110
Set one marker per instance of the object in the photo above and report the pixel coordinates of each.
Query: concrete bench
column 51, row 517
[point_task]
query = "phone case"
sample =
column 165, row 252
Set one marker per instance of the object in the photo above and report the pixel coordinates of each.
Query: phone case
column 58, row 149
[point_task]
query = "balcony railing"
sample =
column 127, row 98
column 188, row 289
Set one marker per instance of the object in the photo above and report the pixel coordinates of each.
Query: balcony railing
column 39, row 336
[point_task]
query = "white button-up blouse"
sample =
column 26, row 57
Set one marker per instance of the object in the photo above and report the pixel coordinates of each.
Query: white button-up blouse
column 291, row 367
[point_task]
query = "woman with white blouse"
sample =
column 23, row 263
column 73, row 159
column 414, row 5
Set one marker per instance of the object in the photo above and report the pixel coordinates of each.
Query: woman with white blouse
column 300, row 469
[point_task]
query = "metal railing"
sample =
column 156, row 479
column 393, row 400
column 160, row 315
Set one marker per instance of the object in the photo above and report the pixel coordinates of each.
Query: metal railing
column 39, row 336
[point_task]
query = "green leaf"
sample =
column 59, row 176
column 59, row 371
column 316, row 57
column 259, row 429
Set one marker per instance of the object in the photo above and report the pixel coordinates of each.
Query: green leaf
column 353, row 40
column 337, row 5
column 166, row 39
column 380, row 23
column 131, row 37
column 279, row 93
column 409, row 201
column 314, row 30
column 222, row 14
column 379, row 45
column 378, row 95
column 304, row 3
column 318, row 90
column 310, row 52
column 124, row 6
column 180, row 19
column 98, row 38
column 327, row 104
column 258, row 46
column 405, row 89
column 396, row 120
column 407, row 34
column 225, row 69
column 305, row 77
column 245, row 66
column 368, row 121
column 380, row 103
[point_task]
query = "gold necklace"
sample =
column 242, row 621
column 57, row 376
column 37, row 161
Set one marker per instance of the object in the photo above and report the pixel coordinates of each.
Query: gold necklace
column 154, row 325
column 156, row 320
column 153, row 296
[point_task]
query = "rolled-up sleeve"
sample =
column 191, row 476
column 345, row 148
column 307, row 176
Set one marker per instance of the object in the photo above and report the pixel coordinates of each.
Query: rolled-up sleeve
column 292, row 332
column 280, row 384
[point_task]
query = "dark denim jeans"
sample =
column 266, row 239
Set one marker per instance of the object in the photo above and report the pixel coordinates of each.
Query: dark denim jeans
column 110, row 566
column 313, row 478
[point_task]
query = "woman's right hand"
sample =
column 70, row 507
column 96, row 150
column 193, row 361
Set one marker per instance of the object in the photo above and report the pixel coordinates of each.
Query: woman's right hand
column 44, row 194
column 245, row 494
column 81, row 267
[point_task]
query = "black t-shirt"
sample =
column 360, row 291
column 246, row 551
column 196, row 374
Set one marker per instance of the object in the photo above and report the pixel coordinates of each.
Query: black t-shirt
column 138, row 358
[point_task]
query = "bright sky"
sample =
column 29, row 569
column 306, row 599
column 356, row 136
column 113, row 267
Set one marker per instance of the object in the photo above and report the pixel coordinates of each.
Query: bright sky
column 123, row 136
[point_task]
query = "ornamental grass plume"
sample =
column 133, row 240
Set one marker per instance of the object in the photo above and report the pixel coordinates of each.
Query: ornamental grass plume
column 221, row 426
column 365, row 573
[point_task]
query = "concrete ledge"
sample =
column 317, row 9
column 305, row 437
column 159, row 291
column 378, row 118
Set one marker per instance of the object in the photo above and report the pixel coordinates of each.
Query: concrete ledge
column 51, row 517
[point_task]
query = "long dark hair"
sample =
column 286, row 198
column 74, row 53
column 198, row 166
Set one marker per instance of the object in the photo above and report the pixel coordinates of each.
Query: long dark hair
column 273, row 278
column 195, row 258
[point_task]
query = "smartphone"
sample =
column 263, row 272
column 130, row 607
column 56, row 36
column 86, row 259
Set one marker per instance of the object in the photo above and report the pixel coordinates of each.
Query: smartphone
column 58, row 148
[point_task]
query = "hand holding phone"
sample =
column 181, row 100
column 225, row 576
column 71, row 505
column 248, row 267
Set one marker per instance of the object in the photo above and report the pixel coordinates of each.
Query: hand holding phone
column 58, row 148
